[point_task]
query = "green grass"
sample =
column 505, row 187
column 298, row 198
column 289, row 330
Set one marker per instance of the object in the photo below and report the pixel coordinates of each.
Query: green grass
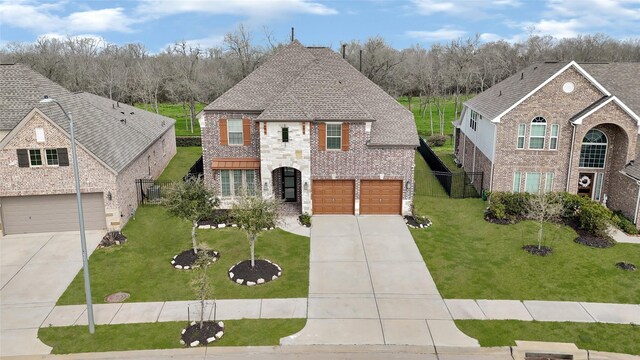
column 182, row 161
column 470, row 258
column 142, row 266
column 164, row 335
column 181, row 114
column 599, row 337
column 424, row 124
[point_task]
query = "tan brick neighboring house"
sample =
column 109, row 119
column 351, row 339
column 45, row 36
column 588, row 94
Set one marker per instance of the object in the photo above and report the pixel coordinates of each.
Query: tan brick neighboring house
column 308, row 128
column 558, row 126
column 117, row 144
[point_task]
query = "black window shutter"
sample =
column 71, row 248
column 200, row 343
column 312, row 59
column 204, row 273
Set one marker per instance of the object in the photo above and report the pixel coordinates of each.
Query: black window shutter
column 63, row 157
column 23, row 157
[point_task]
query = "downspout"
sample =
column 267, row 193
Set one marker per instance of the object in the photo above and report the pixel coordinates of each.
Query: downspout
column 493, row 161
column 573, row 143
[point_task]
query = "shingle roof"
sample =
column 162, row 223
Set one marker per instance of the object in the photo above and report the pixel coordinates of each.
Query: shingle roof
column 620, row 79
column 299, row 83
column 97, row 120
column 498, row 98
column 633, row 169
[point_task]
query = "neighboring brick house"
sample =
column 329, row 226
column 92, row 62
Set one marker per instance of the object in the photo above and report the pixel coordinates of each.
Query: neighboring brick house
column 558, row 126
column 308, row 128
column 117, row 144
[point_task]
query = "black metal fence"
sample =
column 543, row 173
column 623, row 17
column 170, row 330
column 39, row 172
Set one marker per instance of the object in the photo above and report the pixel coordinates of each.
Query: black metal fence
column 197, row 170
column 152, row 191
column 458, row 185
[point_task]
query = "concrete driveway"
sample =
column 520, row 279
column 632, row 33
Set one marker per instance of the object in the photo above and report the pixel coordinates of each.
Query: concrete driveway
column 368, row 285
column 35, row 269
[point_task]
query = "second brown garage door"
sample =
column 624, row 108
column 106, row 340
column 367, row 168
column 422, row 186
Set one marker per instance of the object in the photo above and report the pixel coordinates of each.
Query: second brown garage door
column 380, row 196
column 333, row 196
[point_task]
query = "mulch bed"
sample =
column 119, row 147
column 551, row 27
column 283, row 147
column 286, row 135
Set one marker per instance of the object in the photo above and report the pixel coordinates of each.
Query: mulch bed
column 626, row 266
column 219, row 217
column 493, row 220
column 112, row 238
column 193, row 335
column 187, row 258
column 414, row 223
column 534, row 250
column 264, row 271
column 587, row 239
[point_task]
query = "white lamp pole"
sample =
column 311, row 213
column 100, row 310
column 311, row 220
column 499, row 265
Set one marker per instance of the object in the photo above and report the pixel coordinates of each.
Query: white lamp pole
column 83, row 240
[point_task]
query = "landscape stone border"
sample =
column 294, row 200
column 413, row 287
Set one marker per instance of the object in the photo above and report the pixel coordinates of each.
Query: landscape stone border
column 259, row 281
column 418, row 226
column 216, row 256
column 211, row 339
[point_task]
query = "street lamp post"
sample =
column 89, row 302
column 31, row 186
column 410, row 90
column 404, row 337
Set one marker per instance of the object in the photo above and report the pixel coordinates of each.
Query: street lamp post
column 83, row 240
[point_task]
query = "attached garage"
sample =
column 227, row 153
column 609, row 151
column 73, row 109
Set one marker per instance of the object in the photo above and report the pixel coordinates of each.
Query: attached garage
column 333, row 196
column 50, row 213
column 380, row 196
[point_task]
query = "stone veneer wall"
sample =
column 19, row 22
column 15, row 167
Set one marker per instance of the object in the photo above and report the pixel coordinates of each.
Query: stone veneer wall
column 363, row 162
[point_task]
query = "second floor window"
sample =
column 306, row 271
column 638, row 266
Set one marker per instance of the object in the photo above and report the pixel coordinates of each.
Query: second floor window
column 35, row 158
column 52, row 157
column 473, row 120
column 522, row 128
column 285, row 134
column 235, row 131
column 537, row 133
column 334, row 136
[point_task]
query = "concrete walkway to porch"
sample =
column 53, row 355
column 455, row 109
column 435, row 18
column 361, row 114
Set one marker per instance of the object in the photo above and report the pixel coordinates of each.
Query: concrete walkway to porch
column 368, row 285
column 621, row 237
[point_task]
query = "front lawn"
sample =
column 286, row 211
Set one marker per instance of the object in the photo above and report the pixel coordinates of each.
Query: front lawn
column 163, row 335
column 182, row 161
column 142, row 266
column 470, row 258
column 599, row 337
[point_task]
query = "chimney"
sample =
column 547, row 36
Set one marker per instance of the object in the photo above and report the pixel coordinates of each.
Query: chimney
column 344, row 51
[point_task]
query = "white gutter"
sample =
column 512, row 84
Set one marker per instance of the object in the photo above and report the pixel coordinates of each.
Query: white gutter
column 573, row 142
column 635, row 220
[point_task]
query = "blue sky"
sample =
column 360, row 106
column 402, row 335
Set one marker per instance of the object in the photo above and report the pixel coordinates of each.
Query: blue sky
column 157, row 23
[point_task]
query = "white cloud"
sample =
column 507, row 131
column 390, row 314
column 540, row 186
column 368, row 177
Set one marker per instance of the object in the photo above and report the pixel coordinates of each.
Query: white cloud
column 44, row 18
column 445, row 33
column 489, row 37
column 556, row 28
column 460, row 7
column 252, row 8
column 203, row 43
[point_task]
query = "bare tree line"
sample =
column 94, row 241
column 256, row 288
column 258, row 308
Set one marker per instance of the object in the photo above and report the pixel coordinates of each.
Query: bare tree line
column 187, row 74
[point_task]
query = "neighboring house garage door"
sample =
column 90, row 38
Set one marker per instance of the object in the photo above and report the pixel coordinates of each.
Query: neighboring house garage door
column 380, row 196
column 49, row 213
column 333, row 196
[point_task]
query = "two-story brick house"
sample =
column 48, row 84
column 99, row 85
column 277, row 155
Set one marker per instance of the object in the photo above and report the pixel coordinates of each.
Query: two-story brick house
column 558, row 126
column 308, row 128
column 117, row 144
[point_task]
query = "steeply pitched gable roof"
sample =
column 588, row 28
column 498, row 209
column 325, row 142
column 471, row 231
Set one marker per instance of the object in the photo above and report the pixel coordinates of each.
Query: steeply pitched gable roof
column 97, row 120
column 619, row 80
column 299, row 83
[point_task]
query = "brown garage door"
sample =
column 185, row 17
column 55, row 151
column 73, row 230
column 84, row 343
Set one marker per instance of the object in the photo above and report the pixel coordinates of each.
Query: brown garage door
column 333, row 196
column 49, row 213
column 380, row 196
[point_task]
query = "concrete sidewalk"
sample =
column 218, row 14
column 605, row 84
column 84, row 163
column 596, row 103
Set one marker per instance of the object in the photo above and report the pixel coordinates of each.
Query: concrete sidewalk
column 148, row 312
column 530, row 310
column 368, row 285
column 621, row 237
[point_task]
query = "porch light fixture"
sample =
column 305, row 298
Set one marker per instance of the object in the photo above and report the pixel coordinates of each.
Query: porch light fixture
column 305, row 186
column 407, row 185
column 265, row 187
column 83, row 240
column 109, row 196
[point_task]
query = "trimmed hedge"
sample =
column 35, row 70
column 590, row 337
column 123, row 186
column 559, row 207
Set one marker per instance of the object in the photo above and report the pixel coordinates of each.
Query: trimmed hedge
column 587, row 214
column 624, row 223
column 187, row 141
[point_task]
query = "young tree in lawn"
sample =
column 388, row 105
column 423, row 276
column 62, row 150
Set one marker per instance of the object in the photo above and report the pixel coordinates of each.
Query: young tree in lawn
column 191, row 200
column 254, row 214
column 543, row 208
column 200, row 282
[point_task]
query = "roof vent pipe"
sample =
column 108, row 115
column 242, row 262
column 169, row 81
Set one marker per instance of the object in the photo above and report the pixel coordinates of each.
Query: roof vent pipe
column 521, row 75
column 293, row 37
column 360, row 60
column 118, row 103
column 344, row 51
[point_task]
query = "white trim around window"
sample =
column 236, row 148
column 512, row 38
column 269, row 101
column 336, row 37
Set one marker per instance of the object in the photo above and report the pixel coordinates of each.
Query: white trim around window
column 51, row 156
column 235, row 134
column 522, row 132
column 553, row 139
column 548, row 182
column 35, row 158
column 234, row 182
column 517, row 176
column 336, row 140
column 532, row 182
column 537, row 133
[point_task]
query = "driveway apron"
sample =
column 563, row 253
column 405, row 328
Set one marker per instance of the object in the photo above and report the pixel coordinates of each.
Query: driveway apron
column 35, row 270
column 368, row 284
